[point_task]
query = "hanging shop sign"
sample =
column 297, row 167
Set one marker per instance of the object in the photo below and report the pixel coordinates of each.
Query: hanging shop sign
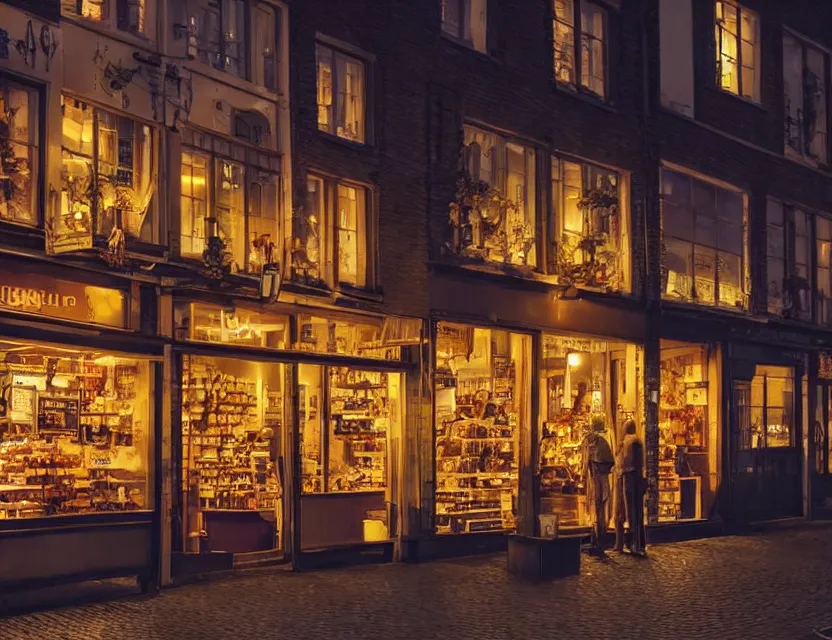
column 63, row 299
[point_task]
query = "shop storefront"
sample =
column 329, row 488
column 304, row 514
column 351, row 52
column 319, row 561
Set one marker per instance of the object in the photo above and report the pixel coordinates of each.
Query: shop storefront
column 288, row 446
column 689, row 431
column 766, row 448
column 586, row 386
column 79, row 399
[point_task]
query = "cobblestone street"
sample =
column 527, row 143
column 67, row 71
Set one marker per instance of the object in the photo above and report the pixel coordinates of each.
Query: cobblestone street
column 777, row 586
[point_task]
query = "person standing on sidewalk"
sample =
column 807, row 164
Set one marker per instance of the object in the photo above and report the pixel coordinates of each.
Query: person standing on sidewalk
column 629, row 491
column 598, row 464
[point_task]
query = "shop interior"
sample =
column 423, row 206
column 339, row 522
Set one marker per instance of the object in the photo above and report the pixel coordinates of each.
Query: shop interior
column 76, row 431
column 688, row 430
column 350, row 422
column 585, row 385
column 232, row 482
column 482, row 410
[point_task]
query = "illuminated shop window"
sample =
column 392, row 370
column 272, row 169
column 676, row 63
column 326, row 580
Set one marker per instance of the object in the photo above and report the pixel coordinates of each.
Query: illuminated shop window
column 204, row 322
column 482, row 414
column 466, row 20
column 737, row 35
column 806, row 99
column 232, row 425
column 330, row 243
column 590, row 228
column 108, row 174
column 232, row 192
column 789, row 247
column 704, row 244
column 19, row 142
column 689, row 406
column 494, row 213
column 76, row 432
column 590, row 50
column 765, row 414
column 380, row 339
column 341, row 94
column 586, row 386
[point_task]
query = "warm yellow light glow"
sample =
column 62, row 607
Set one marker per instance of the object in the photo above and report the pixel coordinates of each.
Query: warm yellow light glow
column 188, row 181
column 573, row 359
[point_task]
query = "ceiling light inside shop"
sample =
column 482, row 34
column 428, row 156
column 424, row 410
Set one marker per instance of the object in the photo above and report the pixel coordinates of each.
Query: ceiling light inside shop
column 573, row 359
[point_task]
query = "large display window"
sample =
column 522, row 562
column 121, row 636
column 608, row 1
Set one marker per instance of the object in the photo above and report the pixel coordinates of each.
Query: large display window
column 76, row 431
column 689, row 418
column 232, row 423
column 349, row 420
column 482, row 411
column 587, row 386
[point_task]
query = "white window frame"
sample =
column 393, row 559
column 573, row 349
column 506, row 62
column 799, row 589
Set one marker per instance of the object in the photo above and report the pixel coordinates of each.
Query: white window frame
column 739, row 61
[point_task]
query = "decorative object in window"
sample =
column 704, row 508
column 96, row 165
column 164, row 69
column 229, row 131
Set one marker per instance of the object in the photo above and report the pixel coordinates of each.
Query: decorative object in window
column 330, row 238
column 704, row 243
column 804, row 73
column 587, row 236
column 737, row 35
column 341, row 94
column 466, row 21
column 232, row 193
column 493, row 214
column 108, row 176
column 19, row 113
column 590, row 20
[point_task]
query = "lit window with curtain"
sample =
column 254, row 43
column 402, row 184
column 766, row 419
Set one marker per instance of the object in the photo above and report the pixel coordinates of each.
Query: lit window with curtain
column 704, row 242
column 341, row 94
column 588, row 53
column 823, row 229
column 805, row 89
column 231, row 192
column 108, row 173
column 466, row 20
column 331, row 239
column 19, row 152
column 587, row 230
column 498, row 201
column 737, row 34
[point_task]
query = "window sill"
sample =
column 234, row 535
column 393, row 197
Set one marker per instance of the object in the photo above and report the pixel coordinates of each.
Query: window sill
column 740, row 99
column 466, row 45
column 108, row 29
column 586, row 96
column 693, row 306
column 806, row 161
column 20, row 235
column 235, row 82
column 344, row 293
column 363, row 147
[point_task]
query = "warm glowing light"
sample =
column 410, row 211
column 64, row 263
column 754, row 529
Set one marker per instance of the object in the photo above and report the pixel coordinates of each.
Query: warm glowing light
column 573, row 359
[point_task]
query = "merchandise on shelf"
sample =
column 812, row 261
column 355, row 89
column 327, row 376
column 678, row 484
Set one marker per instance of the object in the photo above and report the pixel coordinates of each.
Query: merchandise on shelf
column 73, row 432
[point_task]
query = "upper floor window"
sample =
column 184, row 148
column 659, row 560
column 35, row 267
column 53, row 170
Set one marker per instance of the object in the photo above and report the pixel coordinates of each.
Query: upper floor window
column 238, row 37
column 589, row 243
column 230, row 192
column 737, row 35
column 589, row 50
column 704, row 242
column 465, row 20
column 129, row 14
column 108, row 174
column 804, row 80
column 788, row 251
column 494, row 213
column 19, row 152
column 331, row 237
column 341, row 94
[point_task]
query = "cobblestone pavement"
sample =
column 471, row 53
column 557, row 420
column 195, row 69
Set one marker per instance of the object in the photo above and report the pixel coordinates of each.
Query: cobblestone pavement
column 777, row 586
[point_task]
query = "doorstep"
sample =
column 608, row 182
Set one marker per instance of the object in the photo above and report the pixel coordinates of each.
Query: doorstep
column 441, row 547
column 784, row 524
column 667, row 532
column 346, row 555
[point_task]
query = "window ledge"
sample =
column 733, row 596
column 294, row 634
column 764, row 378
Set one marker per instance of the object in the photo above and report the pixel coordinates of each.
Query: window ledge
column 741, row 99
column 363, row 147
column 724, row 311
column 204, row 69
column 466, row 45
column 564, row 89
column 108, row 29
column 347, row 296
column 805, row 161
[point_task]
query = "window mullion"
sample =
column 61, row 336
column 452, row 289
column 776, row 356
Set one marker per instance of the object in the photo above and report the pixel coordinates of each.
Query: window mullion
column 96, row 206
column 739, row 66
column 577, row 38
